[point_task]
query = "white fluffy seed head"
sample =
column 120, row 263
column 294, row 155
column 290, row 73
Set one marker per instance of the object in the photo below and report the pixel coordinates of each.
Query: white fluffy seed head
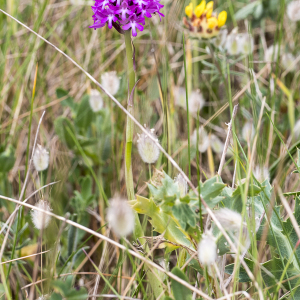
column 95, row 100
column 196, row 102
column 229, row 219
column 182, row 185
column 42, row 298
column 111, row 82
column 203, row 139
column 261, row 173
column 216, row 144
column 220, row 39
column 120, row 217
column 40, row 219
column 272, row 52
column 196, row 99
column 288, row 61
column 232, row 43
column 207, row 250
column 272, row 86
column 179, row 96
column 147, row 148
column 297, row 129
column 293, row 11
column 246, row 43
column 41, row 158
column 248, row 132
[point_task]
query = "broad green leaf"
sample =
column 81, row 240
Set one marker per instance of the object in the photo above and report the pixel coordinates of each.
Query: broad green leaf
column 7, row 159
column 247, row 10
column 56, row 296
column 211, row 188
column 184, row 214
column 84, row 113
column 161, row 221
column 60, row 125
column 284, row 233
column 68, row 101
column 271, row 271
column 86, row 187
column 168, row 190
column 180, row 292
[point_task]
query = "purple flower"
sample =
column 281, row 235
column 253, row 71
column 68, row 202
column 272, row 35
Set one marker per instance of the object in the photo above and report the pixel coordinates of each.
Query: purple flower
column 134, row 24
column 130, row 14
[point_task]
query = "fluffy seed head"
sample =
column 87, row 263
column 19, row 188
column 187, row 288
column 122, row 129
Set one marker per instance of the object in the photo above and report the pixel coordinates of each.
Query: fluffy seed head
column 182, row 185
column 207, row 250
column 203, row 139
column 229, row 219
column 297, row 129
column 41, row 158
column 293, row 11
column 216, row 144
column 196, row 102
column 288, row 61
column 96, row 101
column 111, row 82
column 147, row 148
column 248, row 132
column 246, row 43
column 180, row 96
column 120, row 217
column 261, row 173
column 232, row 43
column 39, row 218
column 272, row 52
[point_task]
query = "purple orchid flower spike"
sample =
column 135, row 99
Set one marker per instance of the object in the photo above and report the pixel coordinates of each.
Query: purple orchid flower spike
column 128, row 14
column 134, row 24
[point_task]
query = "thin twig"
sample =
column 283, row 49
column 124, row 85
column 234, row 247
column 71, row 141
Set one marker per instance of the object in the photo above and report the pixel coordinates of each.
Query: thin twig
column 222, row 162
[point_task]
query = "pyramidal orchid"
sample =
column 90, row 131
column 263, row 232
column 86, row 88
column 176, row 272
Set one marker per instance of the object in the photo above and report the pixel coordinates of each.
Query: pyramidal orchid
column 124, row 14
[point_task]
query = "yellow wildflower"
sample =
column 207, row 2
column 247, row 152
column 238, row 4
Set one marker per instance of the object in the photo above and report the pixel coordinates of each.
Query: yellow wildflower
column 209, row 13
column 222, row 18
column 189, row 10
column 202, row 21
column 212, row 23
column 199, row 10
column 210, row 5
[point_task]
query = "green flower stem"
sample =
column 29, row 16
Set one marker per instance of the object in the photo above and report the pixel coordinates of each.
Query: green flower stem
column 129, row 127
column 187, row 90
column 138, row 230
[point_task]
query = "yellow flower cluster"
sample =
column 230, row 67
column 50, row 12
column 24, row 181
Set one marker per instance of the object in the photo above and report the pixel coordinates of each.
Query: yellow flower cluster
column 203, row 21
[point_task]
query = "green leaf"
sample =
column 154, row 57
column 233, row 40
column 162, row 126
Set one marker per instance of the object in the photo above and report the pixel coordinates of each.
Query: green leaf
column 211, row 190
column 284, row 232
column 55, row 296
column 180, row 292
column 60, row 125
column 7, row 159
column 271, row 271
column 169, row 189
column 161, row 221
column 86, row 187
column 247, row 10
column 84, row 114
column 69, row 101
column 184, row 214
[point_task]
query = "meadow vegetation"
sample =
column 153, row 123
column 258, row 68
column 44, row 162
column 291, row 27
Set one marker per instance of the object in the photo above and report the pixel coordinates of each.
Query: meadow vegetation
column 149, row 149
